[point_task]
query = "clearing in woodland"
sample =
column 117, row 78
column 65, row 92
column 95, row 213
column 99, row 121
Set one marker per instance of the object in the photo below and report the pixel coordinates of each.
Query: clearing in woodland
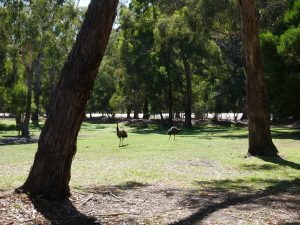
column 200, row 178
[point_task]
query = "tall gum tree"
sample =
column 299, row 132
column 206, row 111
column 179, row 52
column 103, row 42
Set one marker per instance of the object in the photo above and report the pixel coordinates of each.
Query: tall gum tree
column 260, row 141
column 51, row 170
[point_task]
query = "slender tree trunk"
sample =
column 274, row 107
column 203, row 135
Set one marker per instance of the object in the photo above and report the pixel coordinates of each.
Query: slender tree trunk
column 128, row 112
column 161, row 116
column 15, row 66
column 18, row 118
column 52, row 75
column 260, row 141
column 25, row 124
column 51, row 171
column 170, row 96
column 135, row 113
column 146, row 109
column 37, row 89
column 188, row 106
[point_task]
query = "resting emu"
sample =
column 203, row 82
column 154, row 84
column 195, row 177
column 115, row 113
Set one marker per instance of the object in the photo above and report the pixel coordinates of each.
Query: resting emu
column 121, row 135
column 173, row 131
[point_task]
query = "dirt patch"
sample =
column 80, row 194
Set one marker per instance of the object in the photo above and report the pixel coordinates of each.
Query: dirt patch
column 154, row 204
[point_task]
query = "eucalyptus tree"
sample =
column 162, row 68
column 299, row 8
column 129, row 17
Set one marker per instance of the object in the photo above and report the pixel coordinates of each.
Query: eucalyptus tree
column 260, row 141
column 51, row 171
column 12, row 17
column 136, row 44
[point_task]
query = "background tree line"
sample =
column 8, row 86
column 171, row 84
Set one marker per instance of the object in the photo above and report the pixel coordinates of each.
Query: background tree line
column 187, row 56
column 162, row 57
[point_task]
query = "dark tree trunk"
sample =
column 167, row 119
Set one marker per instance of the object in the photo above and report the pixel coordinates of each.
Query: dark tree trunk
column 188, row 106
column 260, row 141
column 170, row 96
column 146, row 114
column 37, row 89
column 25, row 124
column 128, row 112
column 135, row 113
column 244, row 116
column 15, row 67
column 161, row 116
column 18, row 123
column 51, row 171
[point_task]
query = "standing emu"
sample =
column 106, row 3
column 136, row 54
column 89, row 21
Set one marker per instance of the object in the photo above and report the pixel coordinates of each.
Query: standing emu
column 173, row 131
column 121, row 135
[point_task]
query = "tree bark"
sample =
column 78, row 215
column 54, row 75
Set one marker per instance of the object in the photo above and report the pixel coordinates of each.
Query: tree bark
column 135, row 113
column 146, row 109
column 260, row 141
column 37, row 89
column 188, row 106
column 170, row 96
column 128, row 111
column 51, row 171
column 25, row 124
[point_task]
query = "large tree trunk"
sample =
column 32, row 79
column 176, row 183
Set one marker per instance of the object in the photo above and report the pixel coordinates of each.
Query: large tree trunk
column 188, row 106
column 51, row 170
column 260, row 141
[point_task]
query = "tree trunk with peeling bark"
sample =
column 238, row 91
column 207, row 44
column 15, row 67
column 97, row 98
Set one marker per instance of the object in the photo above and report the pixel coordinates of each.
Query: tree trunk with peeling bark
column 51, row 171
column 260, row 141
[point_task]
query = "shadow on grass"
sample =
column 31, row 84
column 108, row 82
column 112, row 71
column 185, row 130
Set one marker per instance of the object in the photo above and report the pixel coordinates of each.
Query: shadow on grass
column 259, row 167
column 294, row 134
column 281, row 162
column 17, row 140
column 221, row 197
column 164, row 202
column 130, row 185
column 4, row 127
column 122, row 146
column 62, row 213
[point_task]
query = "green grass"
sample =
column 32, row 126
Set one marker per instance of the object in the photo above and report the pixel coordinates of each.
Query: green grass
column 208, row 156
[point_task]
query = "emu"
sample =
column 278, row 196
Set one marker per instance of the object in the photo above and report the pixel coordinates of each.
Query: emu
column 121, row 135
column 173, row 131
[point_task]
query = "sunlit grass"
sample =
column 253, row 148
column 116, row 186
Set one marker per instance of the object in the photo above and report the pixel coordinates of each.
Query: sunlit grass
column 207, row 156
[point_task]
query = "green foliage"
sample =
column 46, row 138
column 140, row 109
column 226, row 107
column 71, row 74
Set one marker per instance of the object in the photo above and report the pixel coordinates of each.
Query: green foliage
column 281, row 57
column 145, row 56
column 292, row 17
column 289, row 46
column 34, row 38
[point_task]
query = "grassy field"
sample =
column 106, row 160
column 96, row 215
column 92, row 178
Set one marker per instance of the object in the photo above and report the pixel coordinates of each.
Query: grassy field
column 208, row 156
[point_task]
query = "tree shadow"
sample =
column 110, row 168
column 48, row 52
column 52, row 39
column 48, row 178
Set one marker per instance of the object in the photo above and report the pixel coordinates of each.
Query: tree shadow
column 62, row 213
column 122, row 146
column 220, row 197
column 4, row 127
column 259, row 167
column 129, row 185
column 281, row 162
column 295, row 134
column 17, row 140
